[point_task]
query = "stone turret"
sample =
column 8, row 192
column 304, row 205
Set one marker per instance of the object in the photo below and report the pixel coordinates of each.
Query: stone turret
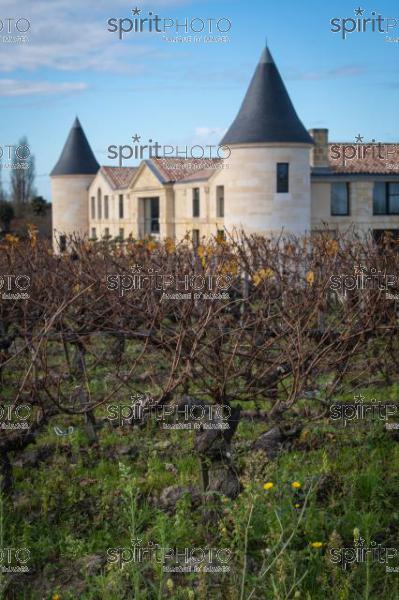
column 70, row 179
column 267, row 182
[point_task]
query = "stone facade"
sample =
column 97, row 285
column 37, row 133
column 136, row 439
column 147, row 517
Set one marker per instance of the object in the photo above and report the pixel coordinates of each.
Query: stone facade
column 268, row 144
column 70, row 210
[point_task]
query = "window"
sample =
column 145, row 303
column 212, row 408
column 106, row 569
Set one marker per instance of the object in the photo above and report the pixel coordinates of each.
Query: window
column 196, row 237
column 99, row 207
column 93, row 207
column 196, row 202
column 106, row 209
column 340, row 199
column 282, row 178
column 93, row 233
column 386, row 198
column 220, row 201
column 106, row 232
column 62, row 243
column 121, row 234
column 121, row 206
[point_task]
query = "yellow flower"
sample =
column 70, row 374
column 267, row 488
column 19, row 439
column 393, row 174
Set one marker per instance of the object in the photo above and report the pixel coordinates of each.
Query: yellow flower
column 332, row 247
column 310, row 277
column 261, row 275
column 201, row 251
column 32, row 233
column 256, row 279
column 56, row 597
column 11, row 239
column 151, row 245
column 316, row 544
column 229, row 268
column 297, row 505
column 220, row 239
column 170, row 585
column 169, row 246
column 268, row 485
column 296, row 485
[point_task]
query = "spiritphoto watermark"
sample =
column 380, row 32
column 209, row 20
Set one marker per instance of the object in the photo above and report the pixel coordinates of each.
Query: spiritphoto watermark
column 362, row 279
column 173, row 560
column 201, row 29
column 14, row 287
column 185, row 415
column 14, row 416
column 361, row 411
column 153, row 149
column 174, row 286
column 362, row 151
column 364, row 23
column 13, row 30
column 14, row 156
column 14, row 560
column 360, row 553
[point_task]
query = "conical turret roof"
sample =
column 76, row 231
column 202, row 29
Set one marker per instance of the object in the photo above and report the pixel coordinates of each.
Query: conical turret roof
column 267, row 114
column 77, row 157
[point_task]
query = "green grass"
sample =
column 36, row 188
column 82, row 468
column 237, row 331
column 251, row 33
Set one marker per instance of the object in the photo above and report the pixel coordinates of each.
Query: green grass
column 82, row 500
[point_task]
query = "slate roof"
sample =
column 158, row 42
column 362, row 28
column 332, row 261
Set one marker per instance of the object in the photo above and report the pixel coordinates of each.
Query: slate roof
column 77, row 157
column 267, row 114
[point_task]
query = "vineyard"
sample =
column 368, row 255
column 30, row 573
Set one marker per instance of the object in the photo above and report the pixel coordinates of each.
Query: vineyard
column 166, row 427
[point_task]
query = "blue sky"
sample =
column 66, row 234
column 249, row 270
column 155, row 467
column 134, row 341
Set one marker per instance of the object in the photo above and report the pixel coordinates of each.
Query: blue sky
column 184, row 93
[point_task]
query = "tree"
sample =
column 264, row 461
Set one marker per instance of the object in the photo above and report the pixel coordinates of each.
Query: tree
column 23, row 176
column 3, row 195
column 39, row 205
column 6, row 214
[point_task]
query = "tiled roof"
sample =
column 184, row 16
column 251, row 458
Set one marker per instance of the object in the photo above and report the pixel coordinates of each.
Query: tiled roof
column 373, row 158
column 185, row 169
column 119, row 177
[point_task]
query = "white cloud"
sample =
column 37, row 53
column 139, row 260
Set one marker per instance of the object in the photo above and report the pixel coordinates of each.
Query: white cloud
column 14, row 87
column 73, row 38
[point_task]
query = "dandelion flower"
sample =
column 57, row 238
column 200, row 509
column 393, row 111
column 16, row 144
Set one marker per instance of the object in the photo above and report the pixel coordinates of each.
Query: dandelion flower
column 268, row 485
column 316, row 544
column 296, row 485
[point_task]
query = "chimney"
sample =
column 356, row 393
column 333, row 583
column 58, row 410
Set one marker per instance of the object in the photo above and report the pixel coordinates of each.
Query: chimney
column 319, row 152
